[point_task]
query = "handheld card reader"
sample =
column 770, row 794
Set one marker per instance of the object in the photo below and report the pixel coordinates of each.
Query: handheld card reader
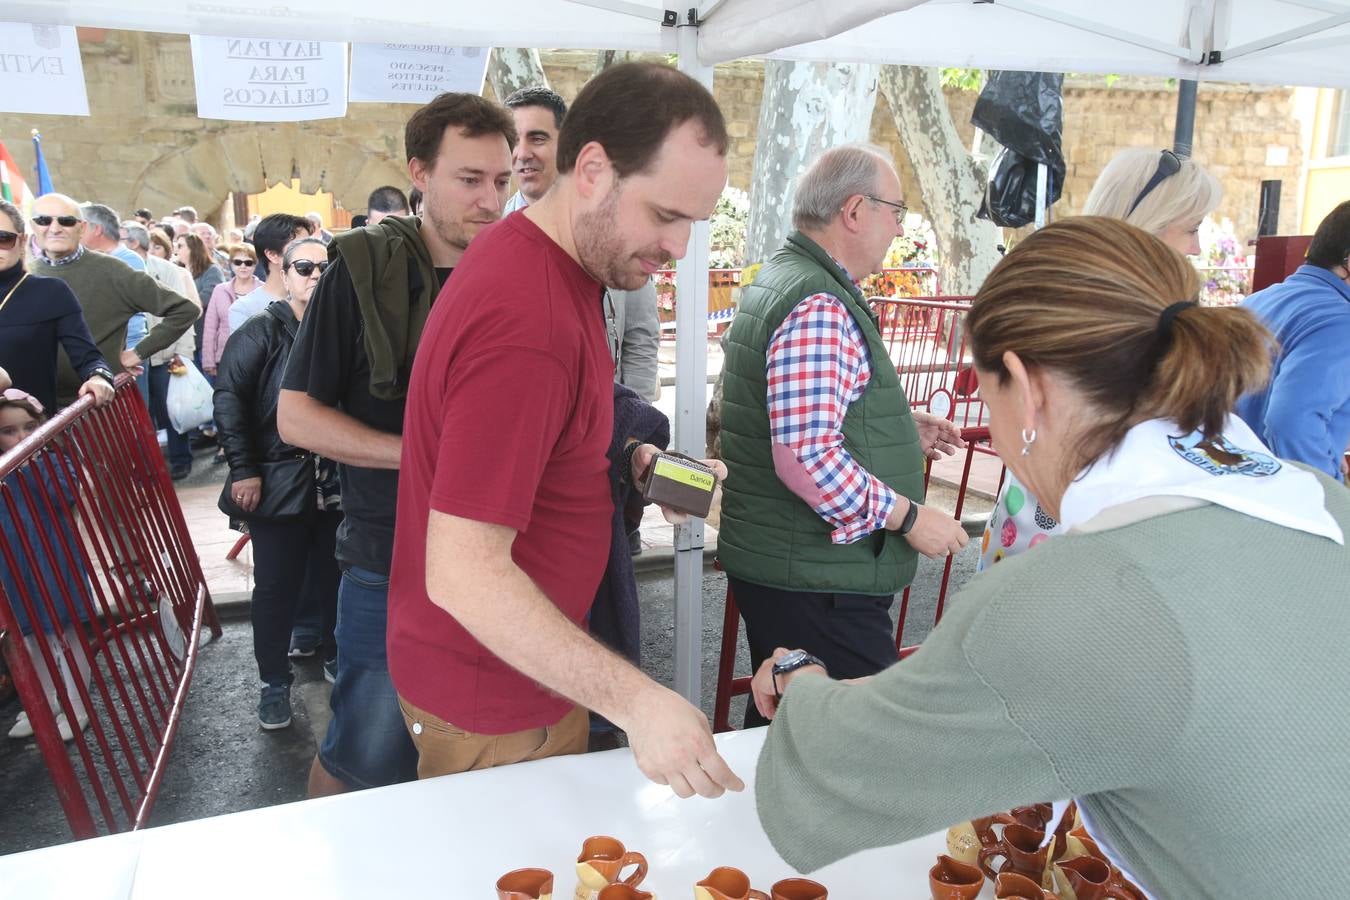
column 680, row 483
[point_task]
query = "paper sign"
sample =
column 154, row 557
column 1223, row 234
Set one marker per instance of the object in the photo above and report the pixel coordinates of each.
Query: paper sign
column 414, row 73
column 268, row 80
column 40, row 70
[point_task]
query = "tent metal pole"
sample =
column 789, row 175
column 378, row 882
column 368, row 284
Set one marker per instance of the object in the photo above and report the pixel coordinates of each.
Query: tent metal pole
column 1284, row 37
column 1098, row 28
column 1042, row 195
column 690, row 432
column 1184, row 137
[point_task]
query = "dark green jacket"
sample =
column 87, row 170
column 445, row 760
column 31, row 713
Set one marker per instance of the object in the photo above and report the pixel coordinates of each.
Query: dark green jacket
column 395, row 283
column 768, row 534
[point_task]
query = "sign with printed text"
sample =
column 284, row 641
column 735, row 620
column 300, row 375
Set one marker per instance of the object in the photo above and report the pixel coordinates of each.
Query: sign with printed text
column 414, row 73
column 40, row 70
column 268, row 80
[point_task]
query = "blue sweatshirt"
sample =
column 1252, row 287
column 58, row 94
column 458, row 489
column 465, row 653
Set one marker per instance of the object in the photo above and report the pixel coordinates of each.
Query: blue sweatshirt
column 1304, row 413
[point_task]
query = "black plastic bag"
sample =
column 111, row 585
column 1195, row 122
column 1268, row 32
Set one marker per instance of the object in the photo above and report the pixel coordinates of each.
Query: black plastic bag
column 1023, row 111
column 1010, row 198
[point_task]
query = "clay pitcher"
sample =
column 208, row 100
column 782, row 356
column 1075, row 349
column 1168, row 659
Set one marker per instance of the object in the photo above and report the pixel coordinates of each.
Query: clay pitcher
column 1021, row 851
column 952, row 879
column 601, row 861
column 526, row 884
column 1086, row 878
column 963, row 843
column 727, row 883
column 1011, row 886
column 798, row 889
column 623, row 891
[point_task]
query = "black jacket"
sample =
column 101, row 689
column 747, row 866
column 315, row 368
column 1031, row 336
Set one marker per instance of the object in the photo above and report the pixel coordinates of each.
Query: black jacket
column 248, row 385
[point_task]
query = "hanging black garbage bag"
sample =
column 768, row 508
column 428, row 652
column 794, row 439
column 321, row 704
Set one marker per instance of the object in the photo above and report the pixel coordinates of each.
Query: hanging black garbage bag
column 1023, row 111
column 1010, row 198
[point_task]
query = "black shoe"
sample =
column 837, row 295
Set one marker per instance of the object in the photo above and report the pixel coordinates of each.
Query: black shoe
column 635, row 543
column 201, row 440
column 178, row 473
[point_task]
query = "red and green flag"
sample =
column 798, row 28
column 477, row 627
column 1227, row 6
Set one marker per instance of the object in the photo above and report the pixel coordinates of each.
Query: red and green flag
column 12, row 186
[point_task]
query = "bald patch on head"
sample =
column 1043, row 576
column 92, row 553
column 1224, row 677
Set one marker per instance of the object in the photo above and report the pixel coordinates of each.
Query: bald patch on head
column 56, row 204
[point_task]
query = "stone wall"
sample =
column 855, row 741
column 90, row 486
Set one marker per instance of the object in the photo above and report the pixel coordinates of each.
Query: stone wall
column 144, row 145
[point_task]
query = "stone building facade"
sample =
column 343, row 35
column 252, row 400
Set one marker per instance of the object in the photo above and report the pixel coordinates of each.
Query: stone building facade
column 144, row 146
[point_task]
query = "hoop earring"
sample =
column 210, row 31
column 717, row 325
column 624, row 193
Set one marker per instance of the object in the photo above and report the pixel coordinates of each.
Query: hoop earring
column 1027, row 441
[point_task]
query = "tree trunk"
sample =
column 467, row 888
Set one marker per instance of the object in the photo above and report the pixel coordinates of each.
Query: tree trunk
column 950, row 181
column 512, row 68
column 807, row 108
column 606, row 58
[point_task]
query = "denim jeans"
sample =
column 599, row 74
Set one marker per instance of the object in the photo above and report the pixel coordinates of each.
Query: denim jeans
column 291, row 558
column 367, row 744
column 180, row 451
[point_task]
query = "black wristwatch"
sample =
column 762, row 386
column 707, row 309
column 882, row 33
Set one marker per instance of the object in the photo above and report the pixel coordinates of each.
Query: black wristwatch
column 106, row 374
column 791, row 662
column 907, row 524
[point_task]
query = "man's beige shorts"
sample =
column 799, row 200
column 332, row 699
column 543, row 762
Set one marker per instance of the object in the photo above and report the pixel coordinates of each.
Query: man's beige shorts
column 443, row 749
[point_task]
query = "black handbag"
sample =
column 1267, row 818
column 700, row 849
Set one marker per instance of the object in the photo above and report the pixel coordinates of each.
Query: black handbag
column 288, row 490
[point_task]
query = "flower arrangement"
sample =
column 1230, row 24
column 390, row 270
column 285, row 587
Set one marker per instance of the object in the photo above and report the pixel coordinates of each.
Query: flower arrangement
column 727, row 229
column 1224, row 266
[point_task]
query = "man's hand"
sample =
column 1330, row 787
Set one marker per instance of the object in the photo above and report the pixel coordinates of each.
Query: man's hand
column 642, row 460
column 762, row 684
column 98, row 388
column 935, row 534
column 246, row 493
column 131, row 362
column 937, row 436
column 673, row 745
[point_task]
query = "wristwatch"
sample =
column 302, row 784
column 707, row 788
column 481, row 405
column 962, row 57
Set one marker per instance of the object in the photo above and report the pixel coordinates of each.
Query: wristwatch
column 791, row 662
column 907, row 525
column 106, row 374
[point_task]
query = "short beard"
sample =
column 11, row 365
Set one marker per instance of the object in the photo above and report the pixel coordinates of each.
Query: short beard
column 600, row 247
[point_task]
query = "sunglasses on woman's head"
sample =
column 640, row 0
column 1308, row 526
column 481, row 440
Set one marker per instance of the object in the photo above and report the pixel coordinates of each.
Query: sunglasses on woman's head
column 8, row 239
column 243, row 262
column 63, row 221
column 304, row 268
column 1169, row 164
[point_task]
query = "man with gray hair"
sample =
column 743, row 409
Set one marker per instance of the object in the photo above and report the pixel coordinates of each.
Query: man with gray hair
column 822, row 518
column 210, row 238
column 103, row 234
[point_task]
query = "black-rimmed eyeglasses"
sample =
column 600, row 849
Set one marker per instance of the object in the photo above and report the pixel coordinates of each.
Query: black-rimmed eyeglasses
column 304, row 268
column 1169, row 164
column 900, row 208
column 63, row 221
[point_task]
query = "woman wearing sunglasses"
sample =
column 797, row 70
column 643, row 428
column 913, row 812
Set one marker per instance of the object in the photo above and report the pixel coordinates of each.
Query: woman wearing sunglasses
column 287, row 496
column 216, row 329
column 1155, row 191
column 36, row 315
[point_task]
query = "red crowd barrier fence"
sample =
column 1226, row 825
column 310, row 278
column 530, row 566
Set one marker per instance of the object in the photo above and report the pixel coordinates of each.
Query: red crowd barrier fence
column 102, row 603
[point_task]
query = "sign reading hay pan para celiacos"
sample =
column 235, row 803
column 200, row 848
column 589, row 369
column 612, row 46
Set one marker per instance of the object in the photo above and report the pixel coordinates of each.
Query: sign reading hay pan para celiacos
column 414, row 73
column 267, row 80
column 40, row 70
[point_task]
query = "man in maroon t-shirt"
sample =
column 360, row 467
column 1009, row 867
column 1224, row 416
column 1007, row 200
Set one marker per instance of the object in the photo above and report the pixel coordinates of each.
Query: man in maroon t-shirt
column 504, row 500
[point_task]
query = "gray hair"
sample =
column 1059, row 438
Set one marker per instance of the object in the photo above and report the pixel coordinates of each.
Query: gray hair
column 204, row 226
column 105, row 217
column 289, row 253
column 138, row 233
column 839, row 173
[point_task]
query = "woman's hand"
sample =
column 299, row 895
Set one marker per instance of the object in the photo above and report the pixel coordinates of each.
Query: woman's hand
column 762, row 684
column 642, row 460
column 937, row 436
column 247, row 492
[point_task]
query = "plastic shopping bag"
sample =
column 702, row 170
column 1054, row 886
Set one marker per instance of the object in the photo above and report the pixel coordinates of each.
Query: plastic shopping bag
column 188, row 398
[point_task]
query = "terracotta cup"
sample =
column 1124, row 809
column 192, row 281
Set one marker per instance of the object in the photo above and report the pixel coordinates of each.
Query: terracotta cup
column 952, row 879
column 726, row 883
column 1021, row 851
column 798, row 889
column 526, row 884
column 1011, row 886
column 601, row 861
column 623, row 891
column 1086, row 878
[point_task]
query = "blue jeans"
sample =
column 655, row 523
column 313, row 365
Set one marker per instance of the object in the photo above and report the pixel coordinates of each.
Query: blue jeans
column 367, row 744
column 136, row 332
column 180, row 451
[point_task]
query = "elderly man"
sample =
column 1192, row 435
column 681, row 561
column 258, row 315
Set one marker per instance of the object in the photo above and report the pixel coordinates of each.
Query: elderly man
column 316, row 227
column 108, row 290
column 1303, row 414
column 822, row 517
column 211, row 239
column 103, row 233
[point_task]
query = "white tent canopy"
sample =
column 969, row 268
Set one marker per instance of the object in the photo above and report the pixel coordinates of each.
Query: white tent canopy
column 1300, row 42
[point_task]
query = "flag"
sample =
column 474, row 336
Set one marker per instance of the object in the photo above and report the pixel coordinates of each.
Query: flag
column 12, row 186
column 44, row 178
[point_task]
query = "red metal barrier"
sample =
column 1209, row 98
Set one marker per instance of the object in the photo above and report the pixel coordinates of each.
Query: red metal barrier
column 927, row 342
column 101, row 571
column 728, row 685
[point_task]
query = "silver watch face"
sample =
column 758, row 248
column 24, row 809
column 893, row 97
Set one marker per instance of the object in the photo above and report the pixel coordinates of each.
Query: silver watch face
column 795, row 658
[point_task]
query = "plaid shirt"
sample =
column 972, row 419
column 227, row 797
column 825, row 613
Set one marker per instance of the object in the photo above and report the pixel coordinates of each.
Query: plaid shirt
column 818, row 364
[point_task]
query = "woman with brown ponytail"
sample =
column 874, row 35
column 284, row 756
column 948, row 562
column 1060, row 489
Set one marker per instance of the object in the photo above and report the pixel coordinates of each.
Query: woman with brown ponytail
column 1171, row 662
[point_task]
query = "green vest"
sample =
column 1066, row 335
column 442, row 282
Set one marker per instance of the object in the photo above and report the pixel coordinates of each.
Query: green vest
column 769, row 535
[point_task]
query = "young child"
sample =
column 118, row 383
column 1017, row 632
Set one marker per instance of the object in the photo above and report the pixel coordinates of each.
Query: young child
column 43, row 493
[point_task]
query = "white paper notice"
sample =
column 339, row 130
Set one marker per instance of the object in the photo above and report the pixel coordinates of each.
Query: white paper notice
column 414, row 73
column 267, row 80
column 40, row 70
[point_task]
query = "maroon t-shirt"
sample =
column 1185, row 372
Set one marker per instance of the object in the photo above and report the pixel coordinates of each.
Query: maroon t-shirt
column 509, row 419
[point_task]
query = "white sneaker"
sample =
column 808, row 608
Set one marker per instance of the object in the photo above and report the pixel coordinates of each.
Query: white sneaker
column 63, row 726
column 22, row 727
